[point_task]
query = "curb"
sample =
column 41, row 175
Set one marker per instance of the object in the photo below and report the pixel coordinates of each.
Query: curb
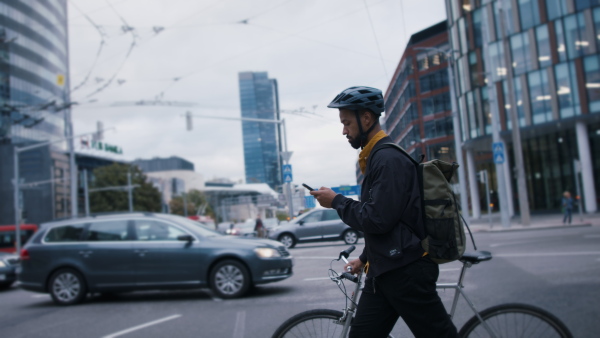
column 526, row 228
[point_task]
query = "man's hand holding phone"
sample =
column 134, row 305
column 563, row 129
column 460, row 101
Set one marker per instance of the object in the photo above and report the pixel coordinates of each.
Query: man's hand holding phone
column 324, row 196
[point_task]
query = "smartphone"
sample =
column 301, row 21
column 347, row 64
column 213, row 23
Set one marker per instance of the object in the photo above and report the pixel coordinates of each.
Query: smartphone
column 307, row 187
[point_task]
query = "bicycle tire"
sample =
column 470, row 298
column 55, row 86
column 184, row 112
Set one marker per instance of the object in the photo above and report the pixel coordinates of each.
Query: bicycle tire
column 313, row 323
column 515, row 320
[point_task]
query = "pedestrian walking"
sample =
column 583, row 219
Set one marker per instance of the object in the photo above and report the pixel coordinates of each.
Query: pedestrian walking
column 401, row 278
column 259, row 228
column 567, row 207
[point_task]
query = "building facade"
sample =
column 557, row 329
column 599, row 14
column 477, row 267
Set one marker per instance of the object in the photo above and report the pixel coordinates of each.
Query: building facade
column 547, row 52
column 259, row 98
column 34, row 97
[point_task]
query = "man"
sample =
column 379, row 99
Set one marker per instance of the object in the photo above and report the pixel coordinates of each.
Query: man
column 400, row 277
column 259, row 228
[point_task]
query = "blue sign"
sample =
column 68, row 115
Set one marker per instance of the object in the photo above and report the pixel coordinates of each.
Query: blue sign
column 498, row 150
column 309, row 202
column 287, row 173
column 347, row 190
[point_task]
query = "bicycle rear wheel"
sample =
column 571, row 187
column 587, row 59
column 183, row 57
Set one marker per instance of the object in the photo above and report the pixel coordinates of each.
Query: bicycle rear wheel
column 515, row 320
column 314, row 323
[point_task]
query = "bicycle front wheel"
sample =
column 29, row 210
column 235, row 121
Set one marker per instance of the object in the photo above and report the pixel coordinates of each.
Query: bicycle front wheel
column 515, row 320
column 314, row 324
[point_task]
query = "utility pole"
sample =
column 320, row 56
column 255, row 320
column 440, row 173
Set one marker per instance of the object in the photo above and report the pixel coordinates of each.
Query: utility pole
column 498, row 142
column 516, row 131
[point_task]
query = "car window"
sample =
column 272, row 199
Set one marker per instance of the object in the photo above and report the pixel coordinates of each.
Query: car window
column 148, row 230
column 8, row 238
column 64, row 233
column 331, row 215
column 107, row 231
column 314, row 217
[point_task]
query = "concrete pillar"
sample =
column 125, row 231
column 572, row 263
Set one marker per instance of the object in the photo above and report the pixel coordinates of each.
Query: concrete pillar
column 587, row 173
column 473, row 184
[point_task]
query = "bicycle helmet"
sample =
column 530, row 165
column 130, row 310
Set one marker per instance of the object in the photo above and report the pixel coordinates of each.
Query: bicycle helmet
column 358, row 98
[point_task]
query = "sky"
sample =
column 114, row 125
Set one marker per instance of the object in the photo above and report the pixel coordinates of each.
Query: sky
column 185, row 55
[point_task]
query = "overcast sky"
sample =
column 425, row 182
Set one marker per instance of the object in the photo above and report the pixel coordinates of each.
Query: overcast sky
column 314, row 48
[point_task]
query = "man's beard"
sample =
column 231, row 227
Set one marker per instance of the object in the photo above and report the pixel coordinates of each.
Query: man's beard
column 354, row 142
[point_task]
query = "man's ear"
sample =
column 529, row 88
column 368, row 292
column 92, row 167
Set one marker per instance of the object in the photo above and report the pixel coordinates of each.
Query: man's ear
column 367, row 118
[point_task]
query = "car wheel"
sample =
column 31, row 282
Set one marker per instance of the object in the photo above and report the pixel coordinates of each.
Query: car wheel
column 288, row 240
column 67, row 287
column 230, row 279
column 350, row 237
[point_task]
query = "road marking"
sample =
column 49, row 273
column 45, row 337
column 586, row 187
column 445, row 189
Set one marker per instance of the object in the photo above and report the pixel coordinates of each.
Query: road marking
column 240, row 325
column 517, row 242
column 320, row 257
column 549, row 254
column 139, row 327
column 40, row 296
column 591, row 236
column 316, row 278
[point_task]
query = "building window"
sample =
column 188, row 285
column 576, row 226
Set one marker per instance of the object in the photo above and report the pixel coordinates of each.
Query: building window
column 583, row 4
column 436, row 104
column 556, row 8
column 530, row 13
column 566, row 90
column 473, row 116
column 487, row 113
column 497, row 66
column 539, row 94
column 592, row 82
column 477, row 31
column 543, row 46
column 596, row 17
column 561, row 46
column 508, row 105
column 438, row 128
column 576, row 41
column 462, row 33
column 434, row 81
column 521, row 54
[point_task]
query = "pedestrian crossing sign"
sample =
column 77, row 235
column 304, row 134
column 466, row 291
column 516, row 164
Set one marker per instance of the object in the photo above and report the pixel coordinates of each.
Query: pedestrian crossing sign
column 287, row 173
column 498, row 151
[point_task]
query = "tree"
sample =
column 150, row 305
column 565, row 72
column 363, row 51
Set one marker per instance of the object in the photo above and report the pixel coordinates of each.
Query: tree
column 196, row 200
column 145, row 197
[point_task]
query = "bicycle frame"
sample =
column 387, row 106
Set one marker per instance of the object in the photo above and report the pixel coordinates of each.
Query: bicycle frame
column 350, row 310
column 458, row 291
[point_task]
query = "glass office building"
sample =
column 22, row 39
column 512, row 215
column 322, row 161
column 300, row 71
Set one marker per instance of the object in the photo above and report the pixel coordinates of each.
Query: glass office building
column 259, row 99
column 33, row 92
column 548, row 53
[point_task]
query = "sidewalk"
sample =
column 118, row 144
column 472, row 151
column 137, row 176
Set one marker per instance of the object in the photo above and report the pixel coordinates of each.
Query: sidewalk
column 545, row 221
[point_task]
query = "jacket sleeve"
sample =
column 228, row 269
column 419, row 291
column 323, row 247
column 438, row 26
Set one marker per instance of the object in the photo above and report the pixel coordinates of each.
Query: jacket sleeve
column 387, row 199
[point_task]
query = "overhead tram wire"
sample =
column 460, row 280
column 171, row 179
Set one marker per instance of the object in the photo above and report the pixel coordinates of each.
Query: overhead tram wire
column 102, row 42
column 376, row 40
column 246, row 22
column 127, row 29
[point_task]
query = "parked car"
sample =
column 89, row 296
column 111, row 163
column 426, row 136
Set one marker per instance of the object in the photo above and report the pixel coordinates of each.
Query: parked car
column 145, row 251
column 315, row 225
column 8, row 269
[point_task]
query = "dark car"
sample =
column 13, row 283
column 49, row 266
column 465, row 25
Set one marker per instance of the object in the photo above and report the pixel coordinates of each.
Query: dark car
column 315, row 225
column 8, row 269
column 145, row 251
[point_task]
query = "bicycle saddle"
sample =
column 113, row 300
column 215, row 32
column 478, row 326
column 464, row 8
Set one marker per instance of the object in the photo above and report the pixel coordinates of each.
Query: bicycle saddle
column 476, row 256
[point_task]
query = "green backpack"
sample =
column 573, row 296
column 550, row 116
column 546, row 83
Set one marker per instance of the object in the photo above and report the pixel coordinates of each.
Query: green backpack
column 445, row 239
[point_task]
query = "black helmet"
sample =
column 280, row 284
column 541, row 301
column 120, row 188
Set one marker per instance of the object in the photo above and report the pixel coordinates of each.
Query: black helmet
column 359, row 97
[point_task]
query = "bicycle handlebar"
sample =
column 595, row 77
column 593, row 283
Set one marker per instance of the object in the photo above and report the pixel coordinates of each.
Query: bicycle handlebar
column 350, row 277
column 346, row 253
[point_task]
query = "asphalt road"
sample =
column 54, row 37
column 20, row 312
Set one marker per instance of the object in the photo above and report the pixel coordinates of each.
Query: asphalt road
column 557, row 269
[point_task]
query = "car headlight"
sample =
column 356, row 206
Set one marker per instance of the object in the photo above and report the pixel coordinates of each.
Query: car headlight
column 2, row 264
column 267, row 253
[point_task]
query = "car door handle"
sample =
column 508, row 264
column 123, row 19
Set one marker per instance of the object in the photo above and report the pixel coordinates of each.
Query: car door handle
column 86, row 253
column 141, row 253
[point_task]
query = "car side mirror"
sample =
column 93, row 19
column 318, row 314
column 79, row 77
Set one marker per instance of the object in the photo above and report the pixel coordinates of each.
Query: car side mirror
column 187, row 238
column 301, row 222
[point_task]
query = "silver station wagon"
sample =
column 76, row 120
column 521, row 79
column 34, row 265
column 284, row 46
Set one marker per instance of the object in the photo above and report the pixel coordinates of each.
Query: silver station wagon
column 145, row 251
column 315, row 225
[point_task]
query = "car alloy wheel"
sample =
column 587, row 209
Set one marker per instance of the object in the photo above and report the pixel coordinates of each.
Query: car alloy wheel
column 67, row 287
column 287, row 240
column 230, row 279
column 350, row 237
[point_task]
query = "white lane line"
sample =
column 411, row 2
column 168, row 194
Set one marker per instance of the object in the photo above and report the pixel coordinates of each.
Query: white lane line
column 549, row 254
column 316, row 278
column 240, row 325
column 139, row 327
column 40, row 296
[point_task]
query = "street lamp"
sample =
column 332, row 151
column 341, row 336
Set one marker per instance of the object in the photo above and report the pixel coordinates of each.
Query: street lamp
column 285, row 155
column 456, row 125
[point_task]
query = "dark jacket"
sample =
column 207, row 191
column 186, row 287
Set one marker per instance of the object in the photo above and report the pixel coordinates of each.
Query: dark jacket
column 389, row 212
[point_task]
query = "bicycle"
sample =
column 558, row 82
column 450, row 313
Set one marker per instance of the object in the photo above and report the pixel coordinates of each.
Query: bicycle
column 504, row 320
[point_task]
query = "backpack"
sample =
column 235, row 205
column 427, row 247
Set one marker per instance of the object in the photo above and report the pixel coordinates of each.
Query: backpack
column 445, row 239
